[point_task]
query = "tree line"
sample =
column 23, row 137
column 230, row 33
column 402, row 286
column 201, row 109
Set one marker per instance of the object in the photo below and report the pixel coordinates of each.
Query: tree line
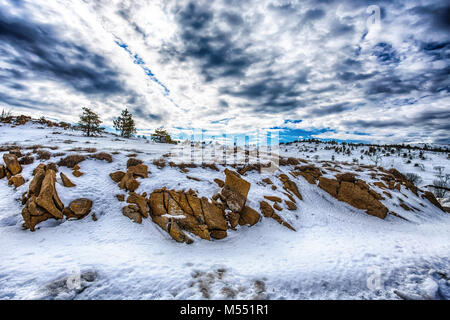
column 90, row 124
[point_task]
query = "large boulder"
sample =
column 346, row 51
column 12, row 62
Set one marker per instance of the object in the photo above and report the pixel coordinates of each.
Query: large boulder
column 235, row 191
column 128, row 182
column 249, row 216
column 214, row 216
column 48, row 197
column 42, row 202
column 140, row 170
column 12, row 163
column 178, row 212
column 430, row 197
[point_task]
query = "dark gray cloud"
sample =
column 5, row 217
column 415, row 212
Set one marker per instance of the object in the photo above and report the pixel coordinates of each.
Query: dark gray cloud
column 37, row 50
column 314, row 60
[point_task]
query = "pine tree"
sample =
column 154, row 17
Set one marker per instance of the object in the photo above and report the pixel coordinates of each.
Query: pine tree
column 90, row 122
column 125, row 124
column 162, row 136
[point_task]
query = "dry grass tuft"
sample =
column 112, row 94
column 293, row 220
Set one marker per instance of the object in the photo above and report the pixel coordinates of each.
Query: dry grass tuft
column 43, row 155
column 103, row 156
column 26, row 160
column 71, row 161
column 87, row 150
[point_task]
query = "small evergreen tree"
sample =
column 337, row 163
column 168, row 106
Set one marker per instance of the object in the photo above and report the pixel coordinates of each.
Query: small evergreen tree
column 162, row 136
column 125, row 124
column 90, row 122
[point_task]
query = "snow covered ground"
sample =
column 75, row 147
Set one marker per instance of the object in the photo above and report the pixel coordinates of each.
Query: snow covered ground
column 337, row 252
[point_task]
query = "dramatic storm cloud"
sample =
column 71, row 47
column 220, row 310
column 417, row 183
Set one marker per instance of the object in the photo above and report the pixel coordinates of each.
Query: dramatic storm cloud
column 377, row 70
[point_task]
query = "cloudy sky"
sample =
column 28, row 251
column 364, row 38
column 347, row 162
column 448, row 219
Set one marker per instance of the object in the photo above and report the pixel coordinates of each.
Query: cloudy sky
column 350, row 69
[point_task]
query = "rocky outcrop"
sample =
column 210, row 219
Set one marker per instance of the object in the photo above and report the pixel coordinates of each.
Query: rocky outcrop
column 140, row 201
column 127, row 181
column 132, row 211
column 42, row 201
column 179, row 212
column 290, row 186
column 356, row 193
column 309, row 172
column 139, row 170
column 2, row 171
column 48, row 197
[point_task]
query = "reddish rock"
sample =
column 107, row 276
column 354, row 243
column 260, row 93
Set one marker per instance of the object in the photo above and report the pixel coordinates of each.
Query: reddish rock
column 48, row 197
column 214, row 216
column 81, row 207
column 218, row 234
column 132, row 212
column 66, row 181
column 117, row 176
column 235, row 191
column 290, row 186
column 140, row 201
column 249, row 216
column 273, row 198
column 16, row 180
column 430, row 197
column 12, row 164
column 291, row 205
column 140, row 170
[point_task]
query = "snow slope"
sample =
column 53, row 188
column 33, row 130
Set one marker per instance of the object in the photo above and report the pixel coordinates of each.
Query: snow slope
column 336, row 253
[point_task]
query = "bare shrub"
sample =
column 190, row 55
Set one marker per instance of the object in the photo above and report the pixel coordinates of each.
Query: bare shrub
column 182, row 166
column 160, row 163
column 71, row 161
column 414, row 178
column 26, row 160
column 59, row 154
column 79, row 149
column 133, row 162
column 53, row 166
column 211, row 166
column 103, row 156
